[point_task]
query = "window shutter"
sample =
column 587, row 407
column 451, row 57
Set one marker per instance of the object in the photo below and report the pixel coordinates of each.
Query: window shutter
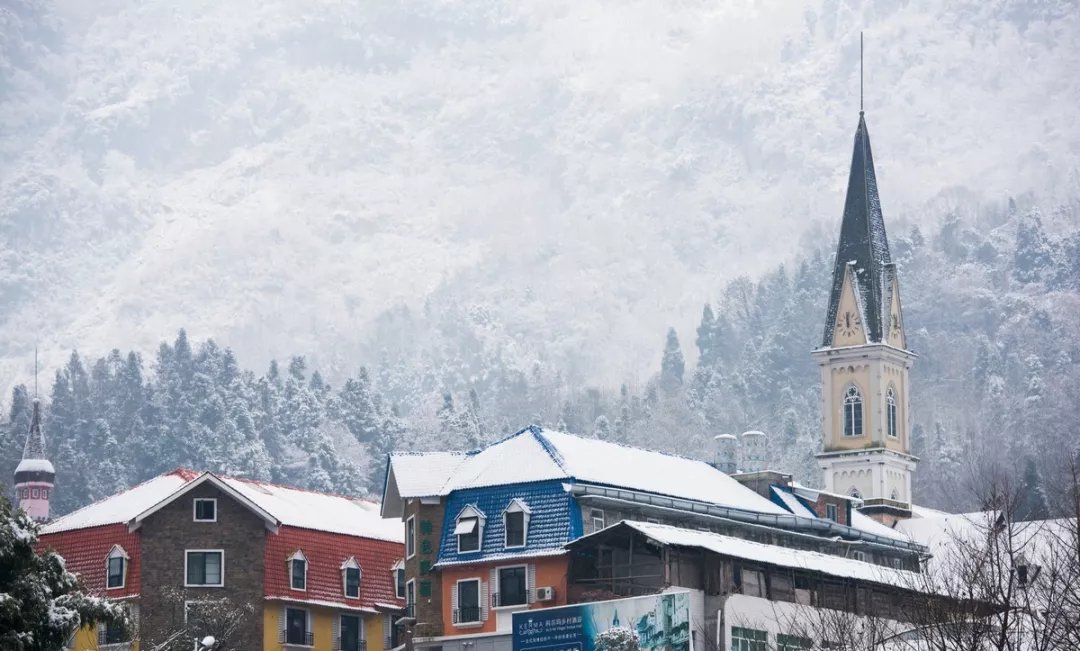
column 530, row 582
column 454, row 604
column 483, row 601
column 494, row 587
column 336, row 642
column 281, row 625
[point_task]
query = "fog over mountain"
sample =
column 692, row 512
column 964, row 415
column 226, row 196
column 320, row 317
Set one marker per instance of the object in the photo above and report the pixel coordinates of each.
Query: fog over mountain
column 576, row 176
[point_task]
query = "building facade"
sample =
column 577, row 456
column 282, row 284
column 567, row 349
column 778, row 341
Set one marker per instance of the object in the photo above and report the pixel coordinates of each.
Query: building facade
column 864, row 358
column 268, row 566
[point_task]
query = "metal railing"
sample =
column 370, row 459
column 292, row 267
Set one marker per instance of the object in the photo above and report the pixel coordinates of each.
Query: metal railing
column 304, row 638
column 361, row 645
column 518, row 599
column 467, row 615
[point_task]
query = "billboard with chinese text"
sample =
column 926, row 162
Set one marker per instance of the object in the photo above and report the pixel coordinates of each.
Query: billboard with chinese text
column 661, row 622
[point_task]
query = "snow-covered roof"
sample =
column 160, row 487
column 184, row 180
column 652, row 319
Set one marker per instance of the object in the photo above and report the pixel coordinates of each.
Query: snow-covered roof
column 870, row 525
column 792, row 503
column 800, row 559
column 536, row 454
column 289, row 506
column 35, row 465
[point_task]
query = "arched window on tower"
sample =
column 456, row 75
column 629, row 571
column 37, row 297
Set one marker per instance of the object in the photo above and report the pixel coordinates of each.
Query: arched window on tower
column 890, row 402
column 853, row 412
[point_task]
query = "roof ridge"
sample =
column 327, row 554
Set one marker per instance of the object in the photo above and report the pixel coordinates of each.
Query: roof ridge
column 114, row 495
column 549, row 447
column 636, row 448
column 259, row 482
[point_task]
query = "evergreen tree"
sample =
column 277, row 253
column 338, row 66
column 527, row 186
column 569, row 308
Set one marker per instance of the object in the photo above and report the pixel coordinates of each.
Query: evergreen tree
column 672, row 364
column 42, row 602
column 1031, row 501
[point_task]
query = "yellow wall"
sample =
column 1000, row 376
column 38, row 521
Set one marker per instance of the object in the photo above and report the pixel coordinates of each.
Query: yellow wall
column 86, row 640
column 322, row 625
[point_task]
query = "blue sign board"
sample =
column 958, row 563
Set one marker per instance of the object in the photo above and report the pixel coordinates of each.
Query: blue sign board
column 661, row 623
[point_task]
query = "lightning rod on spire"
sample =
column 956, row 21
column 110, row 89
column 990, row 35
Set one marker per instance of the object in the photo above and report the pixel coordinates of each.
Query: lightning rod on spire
column 860, row 73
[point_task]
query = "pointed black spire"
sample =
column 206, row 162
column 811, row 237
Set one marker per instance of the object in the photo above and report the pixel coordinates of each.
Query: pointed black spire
column 863, row 244
column 35, row 440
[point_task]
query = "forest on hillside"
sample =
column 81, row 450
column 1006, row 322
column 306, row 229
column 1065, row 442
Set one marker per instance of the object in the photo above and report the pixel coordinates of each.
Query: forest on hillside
column 991, row 300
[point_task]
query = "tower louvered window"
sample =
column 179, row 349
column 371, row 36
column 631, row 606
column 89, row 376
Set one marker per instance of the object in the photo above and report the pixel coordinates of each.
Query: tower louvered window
column 853, row 412
column 890, row 401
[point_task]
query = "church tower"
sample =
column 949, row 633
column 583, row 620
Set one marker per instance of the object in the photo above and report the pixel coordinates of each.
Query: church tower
column 864, row 358
column 34, row 476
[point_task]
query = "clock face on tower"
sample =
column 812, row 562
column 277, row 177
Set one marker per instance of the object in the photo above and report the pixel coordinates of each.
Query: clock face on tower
column 847, row 323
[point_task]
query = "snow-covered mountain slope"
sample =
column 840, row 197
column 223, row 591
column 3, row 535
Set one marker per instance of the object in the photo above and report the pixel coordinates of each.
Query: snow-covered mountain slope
column 277, row 173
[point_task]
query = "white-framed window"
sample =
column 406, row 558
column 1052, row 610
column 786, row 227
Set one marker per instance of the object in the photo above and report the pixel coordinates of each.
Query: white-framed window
column 859, row 555
column 204, row 568
column 410, row 537
column 297, row 629
column 410, row 597
column 398, row 572
column 116, row 568
column 35, row 493
column 350, row 578
column 204, row 509
column 897, row 564
column 297, row 566
column 748, row 639
column 468, row 607
column 469, row 530
column 513, row 586
column 516, row 524
column 890, row 406
column 830, row 512
column 596, row 516
column 853, row 411
column 350, row 633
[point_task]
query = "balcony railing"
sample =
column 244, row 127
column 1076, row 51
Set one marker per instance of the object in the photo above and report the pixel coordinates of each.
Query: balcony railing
column 518, row 599
column 467, row 615
column 359, row 645
column 298, row 638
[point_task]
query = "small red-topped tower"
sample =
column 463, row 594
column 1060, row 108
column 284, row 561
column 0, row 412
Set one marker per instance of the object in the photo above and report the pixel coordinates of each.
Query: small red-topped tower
column 35, row 476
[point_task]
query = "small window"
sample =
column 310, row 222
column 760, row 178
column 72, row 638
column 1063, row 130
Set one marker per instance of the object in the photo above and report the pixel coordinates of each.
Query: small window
column 897, row 564
column 890, row 400
column 116, row 565
column 44, row 493
column 297, row 630
column 351, row 578
column 468, row 602
column 830, row 512
column 515, row 529
column 399, row 580
column 748, row 639
column 205, row 509
column 298, row 571
column 597, row 518
column 410, row 537
column 469, row 530
column 410, row 598
column 792, row 643
column 35, row 493
column 205, row 568
column 859, row 555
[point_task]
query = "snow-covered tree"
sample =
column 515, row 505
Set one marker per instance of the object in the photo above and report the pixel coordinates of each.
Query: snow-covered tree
column 41, row 603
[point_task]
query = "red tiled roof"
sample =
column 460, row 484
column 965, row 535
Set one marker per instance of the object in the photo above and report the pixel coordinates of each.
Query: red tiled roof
column 85, row 551
column 325, row 553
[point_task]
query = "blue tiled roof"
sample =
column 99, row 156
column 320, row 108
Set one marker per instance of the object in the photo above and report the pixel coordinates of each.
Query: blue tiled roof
column 555, row 519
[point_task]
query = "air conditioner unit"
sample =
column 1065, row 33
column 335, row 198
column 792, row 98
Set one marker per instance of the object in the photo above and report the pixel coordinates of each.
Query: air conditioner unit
column 545, row 594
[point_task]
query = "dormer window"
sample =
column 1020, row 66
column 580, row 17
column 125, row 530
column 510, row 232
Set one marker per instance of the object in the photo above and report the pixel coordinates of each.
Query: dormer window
column 205, row 509
column 350, row 578
column 298, row 571
column 469, row 529
column 516, row 523
column 116, row 568
column 398, row 572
